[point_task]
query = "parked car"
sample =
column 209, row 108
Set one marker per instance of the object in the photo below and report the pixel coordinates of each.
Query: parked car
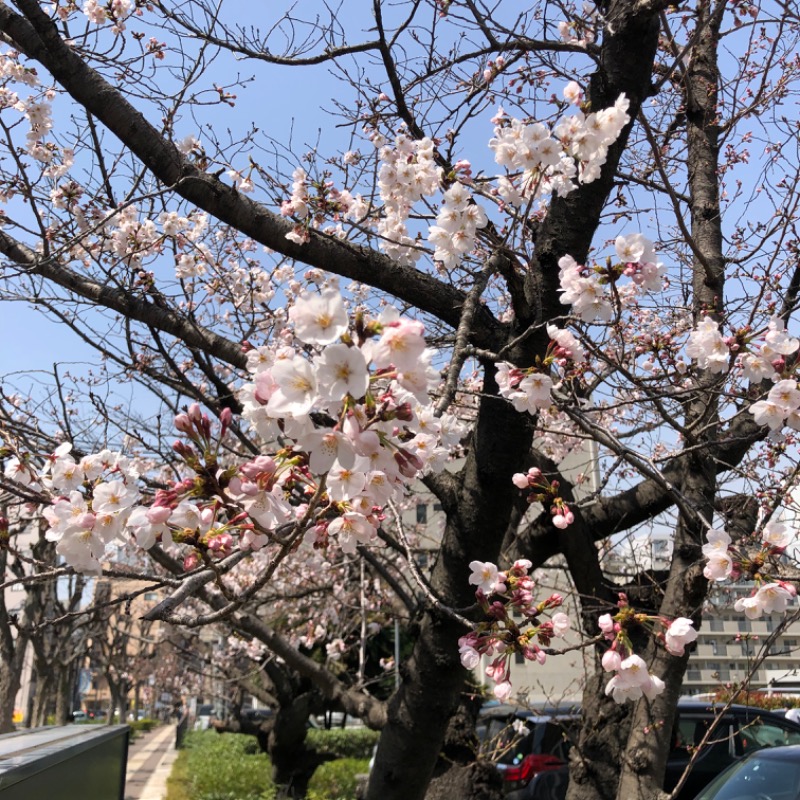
column 80, row 716
column 523, row 743
column 256, row 715
column 740, row 731
column 205, row 714
column 769, row 774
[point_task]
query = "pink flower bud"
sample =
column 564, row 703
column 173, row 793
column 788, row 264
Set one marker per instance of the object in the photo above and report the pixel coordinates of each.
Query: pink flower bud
column 86, row 520
column 606, row 624
column 520, row 480
column 157, row 515
column 611, row 661
column 191, row 561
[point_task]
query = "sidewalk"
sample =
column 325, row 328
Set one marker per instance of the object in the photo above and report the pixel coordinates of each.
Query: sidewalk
column 150, row 761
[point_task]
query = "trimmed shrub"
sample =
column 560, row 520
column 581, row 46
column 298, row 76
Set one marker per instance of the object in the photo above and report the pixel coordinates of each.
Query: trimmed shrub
column 344, row 742
column 144, row 725
column 215, row 766
column 336, row 780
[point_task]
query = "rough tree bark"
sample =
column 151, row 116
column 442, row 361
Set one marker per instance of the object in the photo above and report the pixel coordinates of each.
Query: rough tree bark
column 645, row 759
column 12, row 653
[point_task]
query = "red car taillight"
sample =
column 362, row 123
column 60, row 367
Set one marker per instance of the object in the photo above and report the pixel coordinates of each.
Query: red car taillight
column 529, row 767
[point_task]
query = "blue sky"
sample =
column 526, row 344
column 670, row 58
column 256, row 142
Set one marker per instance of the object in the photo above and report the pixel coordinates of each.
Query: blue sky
column 288, row 104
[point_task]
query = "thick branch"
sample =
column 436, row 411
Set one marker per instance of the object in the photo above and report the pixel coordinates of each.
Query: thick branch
column 38, row 38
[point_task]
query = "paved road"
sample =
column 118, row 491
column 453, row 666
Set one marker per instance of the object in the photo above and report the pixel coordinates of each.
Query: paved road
column 150, row 761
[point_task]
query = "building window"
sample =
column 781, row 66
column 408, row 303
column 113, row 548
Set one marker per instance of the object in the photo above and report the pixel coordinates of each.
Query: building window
column 422, row 514
column 716, row 624
column 519, row 658
column 693, row 675
column 150, row 597
column 437, row 507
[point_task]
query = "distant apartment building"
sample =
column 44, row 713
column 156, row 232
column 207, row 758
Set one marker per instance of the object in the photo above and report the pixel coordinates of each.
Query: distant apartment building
column 729, row 643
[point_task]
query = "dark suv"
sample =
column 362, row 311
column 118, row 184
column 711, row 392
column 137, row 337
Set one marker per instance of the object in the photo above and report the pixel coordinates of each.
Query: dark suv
column 525, row 742
column 741, row 730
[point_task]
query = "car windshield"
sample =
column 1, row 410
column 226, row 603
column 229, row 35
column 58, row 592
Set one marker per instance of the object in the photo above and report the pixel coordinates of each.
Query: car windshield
column 508, row 743
column 776, row 779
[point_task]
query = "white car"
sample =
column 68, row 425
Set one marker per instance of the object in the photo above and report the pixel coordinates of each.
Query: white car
column 204, row 716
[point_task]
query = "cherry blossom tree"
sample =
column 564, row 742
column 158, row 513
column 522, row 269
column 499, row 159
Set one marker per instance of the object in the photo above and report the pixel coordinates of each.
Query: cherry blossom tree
column 543, row 227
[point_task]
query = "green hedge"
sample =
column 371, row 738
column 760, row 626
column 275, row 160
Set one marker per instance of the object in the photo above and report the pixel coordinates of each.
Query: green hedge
column 344, row 742
column 144, row 725
column 336, row 780
column 220, row 767
column 230, row 767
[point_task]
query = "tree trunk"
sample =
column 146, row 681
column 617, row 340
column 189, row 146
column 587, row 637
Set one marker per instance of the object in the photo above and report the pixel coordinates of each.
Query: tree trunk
column 478, row 513
column 115, row 700
column 645, row 763
column 64, row 687
column 13, row 644
column 458, row 772
column 9, row 686
column 45, row 687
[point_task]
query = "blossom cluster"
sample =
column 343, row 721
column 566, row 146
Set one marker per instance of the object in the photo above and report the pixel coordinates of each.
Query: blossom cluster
column 769, row 356
column 580, row 30
column 725, row 560
column 355, row 425
column 116, row 11
column 586, row 290
column 707, row 346
column 545, row 492
column 374, row 390
column 529, row 389
column 542, row 162
column 457, row 224
column 780, row 407
column 501, row 596
column 82, row 526
column 538, row 162
column 408, row 173
column 313, row 209
column 632, row 679
column 37, row 110
column 526, row 389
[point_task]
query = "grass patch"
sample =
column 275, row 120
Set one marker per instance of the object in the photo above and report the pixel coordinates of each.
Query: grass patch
column 220, row 767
